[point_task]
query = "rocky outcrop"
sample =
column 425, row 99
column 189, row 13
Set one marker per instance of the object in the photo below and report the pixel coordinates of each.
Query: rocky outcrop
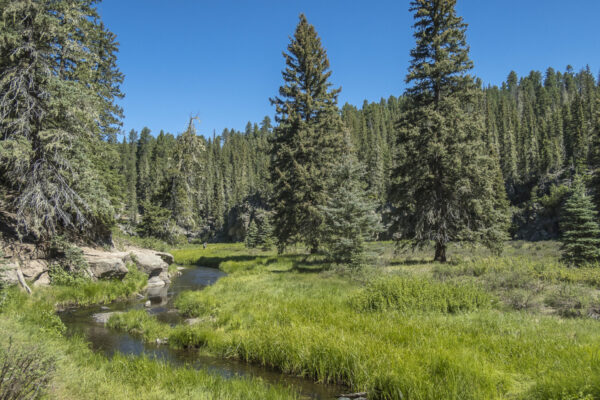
column 102, row 264
column 166, row 257
column 8, row 273
column 105, row 264
column 148, row 261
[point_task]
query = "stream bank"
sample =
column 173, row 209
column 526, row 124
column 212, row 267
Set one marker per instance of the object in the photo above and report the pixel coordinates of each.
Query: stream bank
column 83, row 321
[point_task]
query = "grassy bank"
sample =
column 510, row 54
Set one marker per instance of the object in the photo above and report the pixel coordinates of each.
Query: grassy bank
column 517, row 326
column 32, row 326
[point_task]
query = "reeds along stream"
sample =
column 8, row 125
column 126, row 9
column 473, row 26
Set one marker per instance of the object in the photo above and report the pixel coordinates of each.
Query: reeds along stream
column 110, row 341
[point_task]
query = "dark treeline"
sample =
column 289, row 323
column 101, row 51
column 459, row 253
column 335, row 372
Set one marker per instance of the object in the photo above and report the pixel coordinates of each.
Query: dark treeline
column 543, row 127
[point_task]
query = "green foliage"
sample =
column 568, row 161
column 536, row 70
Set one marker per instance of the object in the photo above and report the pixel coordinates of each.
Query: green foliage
column 252, row 239
column 69, row 267
column 58, row 84
column 138, row 322
column 24, row 372
column 434, row 331
column 88, row 292
column 349, row 216
column 156, row 222
column 407, row 294
column 447, row 184
column 570, row 301
column 83, row 374
column 581, row 232
column 306, row 143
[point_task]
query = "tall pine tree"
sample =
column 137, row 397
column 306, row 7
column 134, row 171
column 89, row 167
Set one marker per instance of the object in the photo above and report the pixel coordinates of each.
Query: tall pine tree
column 307, row 142
column 446, row 181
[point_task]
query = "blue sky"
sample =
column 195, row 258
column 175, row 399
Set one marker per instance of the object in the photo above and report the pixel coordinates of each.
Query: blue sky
column 221, row 60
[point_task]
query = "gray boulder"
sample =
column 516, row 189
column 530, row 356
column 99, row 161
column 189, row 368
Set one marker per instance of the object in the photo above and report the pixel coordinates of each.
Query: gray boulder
column 8, row 274
column 108, row 267
column 33, row 269
column 166, row 257
column 42, row 279
column 149, row 262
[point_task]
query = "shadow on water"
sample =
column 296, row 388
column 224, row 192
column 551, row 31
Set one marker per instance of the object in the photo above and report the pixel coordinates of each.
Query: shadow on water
column 80, row 321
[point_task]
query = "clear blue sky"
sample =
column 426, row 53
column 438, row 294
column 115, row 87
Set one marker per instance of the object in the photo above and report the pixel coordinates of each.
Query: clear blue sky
column 221, row 60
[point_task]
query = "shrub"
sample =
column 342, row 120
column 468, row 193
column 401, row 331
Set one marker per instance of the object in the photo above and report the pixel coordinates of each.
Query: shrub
column 412, row 294
column 24, row 373
column 69, row 267
column 569, row 301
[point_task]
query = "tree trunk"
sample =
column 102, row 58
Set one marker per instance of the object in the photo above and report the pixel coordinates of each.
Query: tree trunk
column 440, row 252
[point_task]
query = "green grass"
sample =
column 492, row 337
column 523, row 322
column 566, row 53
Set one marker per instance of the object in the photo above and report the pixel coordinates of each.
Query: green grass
column 82, row 374
column 98, row 292
column 416, row 330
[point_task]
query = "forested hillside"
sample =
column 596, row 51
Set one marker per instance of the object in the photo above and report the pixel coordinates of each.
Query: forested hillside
column 543, row 127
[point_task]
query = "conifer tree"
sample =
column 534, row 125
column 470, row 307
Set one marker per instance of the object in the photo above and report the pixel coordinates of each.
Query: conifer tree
column 58, row 81
column 307, row 141
column 350, row 218
column 580, row 229
column 265, row 233
column 186, row 181
column 445, row 180
column 252, row 240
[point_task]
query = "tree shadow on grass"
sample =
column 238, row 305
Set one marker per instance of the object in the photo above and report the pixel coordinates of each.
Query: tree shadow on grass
column 411, row 261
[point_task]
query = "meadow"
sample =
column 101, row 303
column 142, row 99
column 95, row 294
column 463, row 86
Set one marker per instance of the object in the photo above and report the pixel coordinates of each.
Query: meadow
column 33, row 332
column 479, row 327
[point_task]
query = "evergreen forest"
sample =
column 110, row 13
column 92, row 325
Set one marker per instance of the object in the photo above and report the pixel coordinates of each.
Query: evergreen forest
column 441, row 243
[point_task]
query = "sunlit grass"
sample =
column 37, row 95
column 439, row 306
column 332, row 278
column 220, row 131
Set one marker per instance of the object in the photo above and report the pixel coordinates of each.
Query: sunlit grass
column 304, row 321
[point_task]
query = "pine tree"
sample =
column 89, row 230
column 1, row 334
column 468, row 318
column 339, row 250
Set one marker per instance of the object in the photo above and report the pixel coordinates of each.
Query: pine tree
column 350, row 218
column 186, row 180
column 306, row 143
column 445, row 180
column 580, row 229
column 265, row 233
column 57, row 85
column 155, row 222
column 252, row 241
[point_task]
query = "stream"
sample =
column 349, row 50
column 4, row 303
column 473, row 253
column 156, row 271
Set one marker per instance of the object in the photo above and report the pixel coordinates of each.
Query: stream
column 109, row 341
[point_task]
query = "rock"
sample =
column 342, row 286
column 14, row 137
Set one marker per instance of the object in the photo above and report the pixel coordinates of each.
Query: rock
column 33, row 269
column 165, row 277
column 148, row 303
column 192, row 321
column 148, row 261
column 8, row 274
column 42, row 280
column 107, row 267
column 102, row 318
column 166, row 257
column 155, row 281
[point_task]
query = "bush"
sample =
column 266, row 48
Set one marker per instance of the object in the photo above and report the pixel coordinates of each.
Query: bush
column 69, row 267
column 24, row 373
column 569, row 301
column 412, row 294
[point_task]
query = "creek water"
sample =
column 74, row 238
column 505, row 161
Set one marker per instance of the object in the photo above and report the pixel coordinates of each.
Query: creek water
column 80, row 321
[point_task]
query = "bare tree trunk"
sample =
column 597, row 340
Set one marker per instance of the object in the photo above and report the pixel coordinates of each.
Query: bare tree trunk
column 21, row 279
column 440, row 252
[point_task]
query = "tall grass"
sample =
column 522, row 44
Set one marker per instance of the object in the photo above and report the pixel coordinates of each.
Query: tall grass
column 82, row 374
column 431, row 333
